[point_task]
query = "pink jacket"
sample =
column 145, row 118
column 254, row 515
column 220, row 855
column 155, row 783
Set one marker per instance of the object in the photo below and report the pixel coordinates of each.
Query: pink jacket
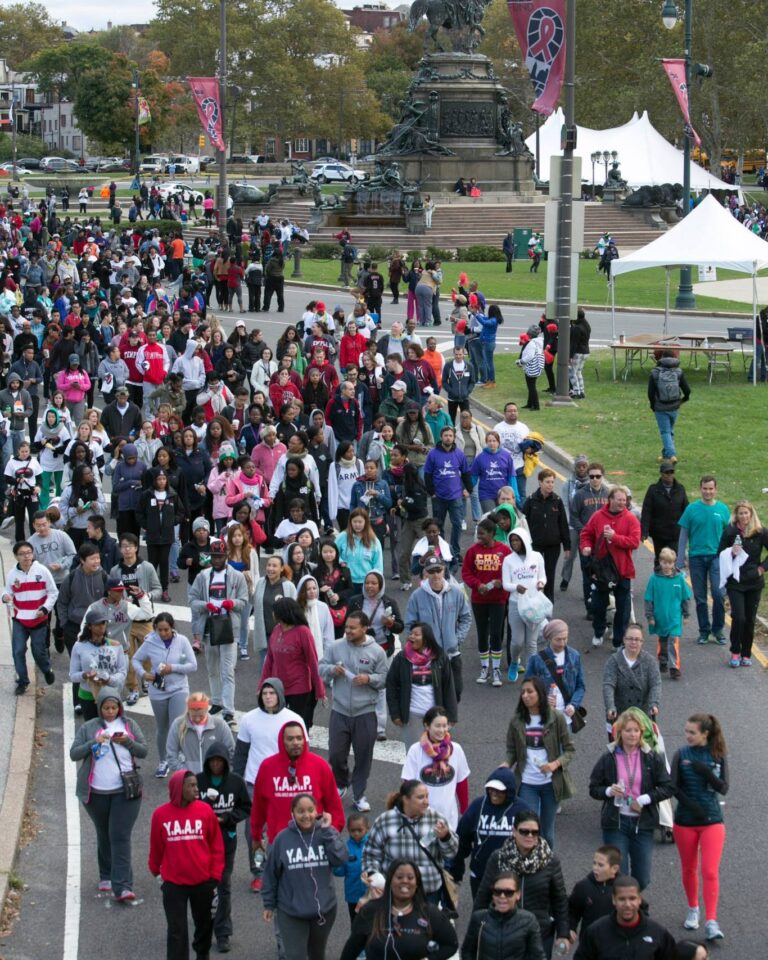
column 242, row 488
column 266, row 458
column 74, row 384
column 217, row 484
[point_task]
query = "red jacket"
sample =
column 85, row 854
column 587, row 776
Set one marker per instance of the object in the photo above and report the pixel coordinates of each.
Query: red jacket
column 350, row 349
column 279, row 395
column 273, row 791
column 626, row 538
column 481, row 565
column 329, row 375
column 292, row 656
column 185, row 843
column 128, row 354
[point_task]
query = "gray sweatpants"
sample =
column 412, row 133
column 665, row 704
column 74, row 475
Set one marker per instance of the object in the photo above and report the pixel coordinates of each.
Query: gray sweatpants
column 304, row 938
column 359, row 733
column 524, row 638
column 166, row 710
column 411, row 732
column 221, row 662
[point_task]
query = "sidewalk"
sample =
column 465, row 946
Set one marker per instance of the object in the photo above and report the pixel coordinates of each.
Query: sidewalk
column 17, row 739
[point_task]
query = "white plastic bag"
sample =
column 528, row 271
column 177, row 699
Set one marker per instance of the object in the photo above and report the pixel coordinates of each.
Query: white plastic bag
column 534, row 607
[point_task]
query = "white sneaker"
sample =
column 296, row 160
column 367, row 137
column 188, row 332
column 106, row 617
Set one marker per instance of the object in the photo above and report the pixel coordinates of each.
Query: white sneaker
column 463, row 524
column 483, row 678
column 497, row 681
column 712, row 931
column 692, row 919
column 362, row 805
column 597, row 642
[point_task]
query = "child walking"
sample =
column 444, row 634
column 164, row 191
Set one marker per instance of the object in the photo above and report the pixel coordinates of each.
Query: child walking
column 354, row 885
column 667, row 606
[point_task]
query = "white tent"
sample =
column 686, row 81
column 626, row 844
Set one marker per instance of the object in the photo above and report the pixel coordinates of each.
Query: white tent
column 646, row 158
column 709, row 235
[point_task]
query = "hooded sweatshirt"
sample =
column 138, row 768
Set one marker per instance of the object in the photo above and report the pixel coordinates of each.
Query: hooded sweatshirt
column 276, row 786
column 185, row 843
column 188, row 742
column 107, row 660
column 446, row 473
column 485, row 826
column 258, row 732
column 297, row 875
column 85, row 747
column 51, row 442
column 178, row 654
column 527, row 570
column 368, row 657
column 226, row 795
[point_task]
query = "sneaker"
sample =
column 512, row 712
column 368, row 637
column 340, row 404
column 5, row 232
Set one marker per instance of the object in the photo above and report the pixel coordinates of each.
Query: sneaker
column 512, row 671
column 223, row 944
column 7, row 522
column 165, row 596
column 162, row 770
column 243, row 654
column 463, row 524
column 497, row 681
column 703, row 639
column 720, row 639
column 50, row 677
column 175, row 578
column 395, row 576
column 197, row 646
column 381, row 737
column 405, row 587
column 734, row 662
column 78, row 707
column 342, row 792
column 563, row 585
column 483, row 678
column 597, row 641
column 229, row 718
column 746, row 661
column 105, row 886
column 692, row 919
column 214, row 709
column 133, row 698
column 125, row 897
column 674, row 673
column 712, row 931
column 256, row 885
column 361, row 805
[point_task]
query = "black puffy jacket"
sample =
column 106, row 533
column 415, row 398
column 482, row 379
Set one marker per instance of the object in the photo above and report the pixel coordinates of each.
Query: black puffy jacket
column 502, row 936
column 542, row 893
column 662, row 508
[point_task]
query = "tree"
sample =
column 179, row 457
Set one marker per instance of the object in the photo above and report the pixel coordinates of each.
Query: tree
column 25, row 29
column 390, row 63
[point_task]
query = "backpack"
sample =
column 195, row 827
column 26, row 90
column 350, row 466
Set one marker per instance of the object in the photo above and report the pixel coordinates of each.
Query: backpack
column 667, row 384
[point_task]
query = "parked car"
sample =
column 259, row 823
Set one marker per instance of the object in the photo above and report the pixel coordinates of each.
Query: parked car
column 7, row 168
column 153, row 163
column 327, row 160
column 114, row 165
column 247, row 158
column 59, row 165
column 30, row 163
column 336, row 173
column 182, row 189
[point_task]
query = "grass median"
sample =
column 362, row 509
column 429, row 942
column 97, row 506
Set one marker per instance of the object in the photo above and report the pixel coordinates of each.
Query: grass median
column 721, row 430
column 642, row 289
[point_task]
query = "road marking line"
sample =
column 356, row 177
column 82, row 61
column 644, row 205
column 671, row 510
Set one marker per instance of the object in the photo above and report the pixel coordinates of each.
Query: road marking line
column 72, row 810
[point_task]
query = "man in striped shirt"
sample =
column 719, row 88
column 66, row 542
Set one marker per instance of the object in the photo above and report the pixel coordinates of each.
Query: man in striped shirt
column 30, row 588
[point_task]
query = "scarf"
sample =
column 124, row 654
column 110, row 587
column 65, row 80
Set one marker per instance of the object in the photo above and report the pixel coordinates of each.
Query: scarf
column 313, row 621
column 439, row 752
column 510, row 857
column 50, row 432
column 416, row 657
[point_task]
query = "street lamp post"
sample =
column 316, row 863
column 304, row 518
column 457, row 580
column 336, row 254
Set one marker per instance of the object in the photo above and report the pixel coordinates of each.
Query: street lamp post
column 685, row 299
column 595, row 158
column 222, row 187
column 135, row 85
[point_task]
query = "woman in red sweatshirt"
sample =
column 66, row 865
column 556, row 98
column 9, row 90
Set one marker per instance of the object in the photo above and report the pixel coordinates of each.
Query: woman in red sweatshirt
column 481, row 571
column 186, row 849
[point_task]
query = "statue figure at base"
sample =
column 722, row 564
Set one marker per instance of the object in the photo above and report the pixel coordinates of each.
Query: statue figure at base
column 509, row 134
column 414, row 133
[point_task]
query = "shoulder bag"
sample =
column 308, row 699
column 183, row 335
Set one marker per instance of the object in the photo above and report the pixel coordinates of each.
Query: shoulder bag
column 132, row 783
column 577, row 720
column 448, row 886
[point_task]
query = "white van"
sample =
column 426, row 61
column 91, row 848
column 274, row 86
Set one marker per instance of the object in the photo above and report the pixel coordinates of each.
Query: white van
column 153, row 163
column 183, row 164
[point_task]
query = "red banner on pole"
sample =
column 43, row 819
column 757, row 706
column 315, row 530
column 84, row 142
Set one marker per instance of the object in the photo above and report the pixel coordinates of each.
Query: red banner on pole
column 540, row 29
column 675, row 70
column 205, row 91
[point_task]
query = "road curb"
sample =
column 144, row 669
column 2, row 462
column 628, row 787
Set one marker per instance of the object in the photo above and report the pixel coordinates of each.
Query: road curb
column 14, row 803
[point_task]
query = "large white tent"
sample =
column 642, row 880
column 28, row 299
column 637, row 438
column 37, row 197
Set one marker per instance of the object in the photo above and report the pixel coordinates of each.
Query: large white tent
column 646, row 158
column 709, row 236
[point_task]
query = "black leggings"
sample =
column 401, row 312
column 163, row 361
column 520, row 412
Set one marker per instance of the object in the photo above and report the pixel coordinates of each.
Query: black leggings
column 303, row 704
column 744, row 605
column 23, row 506
column 489, row 618
column 533, row 395
column 454, row 406
column 158, row 554
column 550, row 555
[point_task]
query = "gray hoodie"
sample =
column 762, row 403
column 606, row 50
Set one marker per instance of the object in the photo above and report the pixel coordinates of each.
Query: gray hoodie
column 186, row 747
column 448, row 613
column 350, row 699
column 179, row 654
column 298, row 875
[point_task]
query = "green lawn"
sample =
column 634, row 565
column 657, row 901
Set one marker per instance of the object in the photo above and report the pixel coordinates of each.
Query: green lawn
column 720, row 430
column 642, row 289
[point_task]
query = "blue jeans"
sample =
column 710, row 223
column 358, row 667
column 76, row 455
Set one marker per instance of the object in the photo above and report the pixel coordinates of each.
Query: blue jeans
column 599, row 602
column 477, row 358
column 636, row 849
column 665, row 420
column 456, row 509
column 38, row 637
column 490, row 369
column 474, row 499
column 521, row 479
column 703, row 568
column 541, row 799
column 762, row 373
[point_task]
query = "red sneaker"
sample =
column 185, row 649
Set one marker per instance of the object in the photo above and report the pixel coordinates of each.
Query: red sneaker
column 256, row 885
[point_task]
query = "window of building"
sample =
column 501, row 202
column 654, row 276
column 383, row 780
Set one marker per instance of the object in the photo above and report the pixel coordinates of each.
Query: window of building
column 77, row 143
column 63, row 120
column 301, row 145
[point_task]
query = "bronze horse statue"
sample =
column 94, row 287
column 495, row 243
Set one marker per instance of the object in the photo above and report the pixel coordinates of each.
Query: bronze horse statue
column 460, row 17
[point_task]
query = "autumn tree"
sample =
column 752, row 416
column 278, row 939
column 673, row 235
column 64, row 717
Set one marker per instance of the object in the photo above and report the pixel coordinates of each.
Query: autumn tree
column 25, row 29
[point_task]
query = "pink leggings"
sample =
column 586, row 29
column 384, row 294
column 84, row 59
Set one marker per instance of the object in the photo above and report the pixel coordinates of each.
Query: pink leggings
column 711, row 840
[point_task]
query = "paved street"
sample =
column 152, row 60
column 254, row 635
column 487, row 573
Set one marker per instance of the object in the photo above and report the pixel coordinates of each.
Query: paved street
column 61, row 916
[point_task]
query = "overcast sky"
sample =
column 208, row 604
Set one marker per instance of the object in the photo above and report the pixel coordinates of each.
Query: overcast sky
column 93, row 14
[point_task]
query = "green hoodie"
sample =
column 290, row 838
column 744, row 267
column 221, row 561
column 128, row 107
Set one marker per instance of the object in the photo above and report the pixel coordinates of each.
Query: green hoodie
column 501, row 536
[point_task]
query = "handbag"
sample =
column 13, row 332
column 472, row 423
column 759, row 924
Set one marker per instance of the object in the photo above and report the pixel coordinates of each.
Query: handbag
column 338, row 615
column 132, row 783
column 604, row 571
column 577, row 720
column 448, row 886
column 221, row 632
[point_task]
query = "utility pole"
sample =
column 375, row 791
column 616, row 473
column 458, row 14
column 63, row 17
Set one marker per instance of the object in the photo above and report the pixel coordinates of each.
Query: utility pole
column 222, row 188
column 13, row 125
column 565, row 212
column 136, row 122
column 685, row 299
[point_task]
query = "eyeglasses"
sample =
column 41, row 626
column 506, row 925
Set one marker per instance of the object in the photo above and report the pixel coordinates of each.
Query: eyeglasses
column 526, row 832
column 595, row 476
column 503, row 892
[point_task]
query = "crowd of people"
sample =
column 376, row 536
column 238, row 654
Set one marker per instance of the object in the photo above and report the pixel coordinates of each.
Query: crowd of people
column 281, row 481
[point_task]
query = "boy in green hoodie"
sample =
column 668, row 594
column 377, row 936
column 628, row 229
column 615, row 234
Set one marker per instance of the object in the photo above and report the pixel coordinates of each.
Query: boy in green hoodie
column 667, row 606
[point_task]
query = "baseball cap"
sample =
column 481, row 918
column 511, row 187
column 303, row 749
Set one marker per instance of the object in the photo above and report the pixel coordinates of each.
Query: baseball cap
column 115, row 583
column 434, row 563
column 582, row 458
column 495, row 785
column 399, row 385
column 95, row 616
column 218, row 548
column 667, row 468
column 74, row 358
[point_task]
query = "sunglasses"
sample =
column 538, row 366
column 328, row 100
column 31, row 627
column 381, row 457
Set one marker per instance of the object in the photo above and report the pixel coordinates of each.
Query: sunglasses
column 595, row 476
column 503, row 892
column 523, row 831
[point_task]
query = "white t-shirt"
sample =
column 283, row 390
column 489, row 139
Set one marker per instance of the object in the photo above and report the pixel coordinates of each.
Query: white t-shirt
column 260, row 730
column 106, row 775
column 511, row 434
column 442, row 787
column 422, row 699
column 536, row 754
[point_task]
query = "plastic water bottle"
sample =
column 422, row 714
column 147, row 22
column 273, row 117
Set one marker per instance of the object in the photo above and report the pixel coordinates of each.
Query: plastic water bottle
column 561, row 948
column 738, row 541
column 258, row 860
column 242, row 446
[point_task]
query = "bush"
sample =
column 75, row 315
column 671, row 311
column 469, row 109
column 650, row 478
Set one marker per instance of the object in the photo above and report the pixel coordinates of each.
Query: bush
column 412, row 255
column 378, row 253
column 437, row 253
column 164, row 226
column 322, row 251
column 480, row 253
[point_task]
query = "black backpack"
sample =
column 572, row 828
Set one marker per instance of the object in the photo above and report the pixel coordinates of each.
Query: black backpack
column 667, row 384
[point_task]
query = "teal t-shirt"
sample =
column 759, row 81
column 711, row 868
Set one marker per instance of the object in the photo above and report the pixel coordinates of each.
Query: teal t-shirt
column 667, row 595
column 705, row 523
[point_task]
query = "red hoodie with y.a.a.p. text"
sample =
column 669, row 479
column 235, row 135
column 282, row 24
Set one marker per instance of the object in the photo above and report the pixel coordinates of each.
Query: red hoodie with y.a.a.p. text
column 276, row 785
column 185, row 844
